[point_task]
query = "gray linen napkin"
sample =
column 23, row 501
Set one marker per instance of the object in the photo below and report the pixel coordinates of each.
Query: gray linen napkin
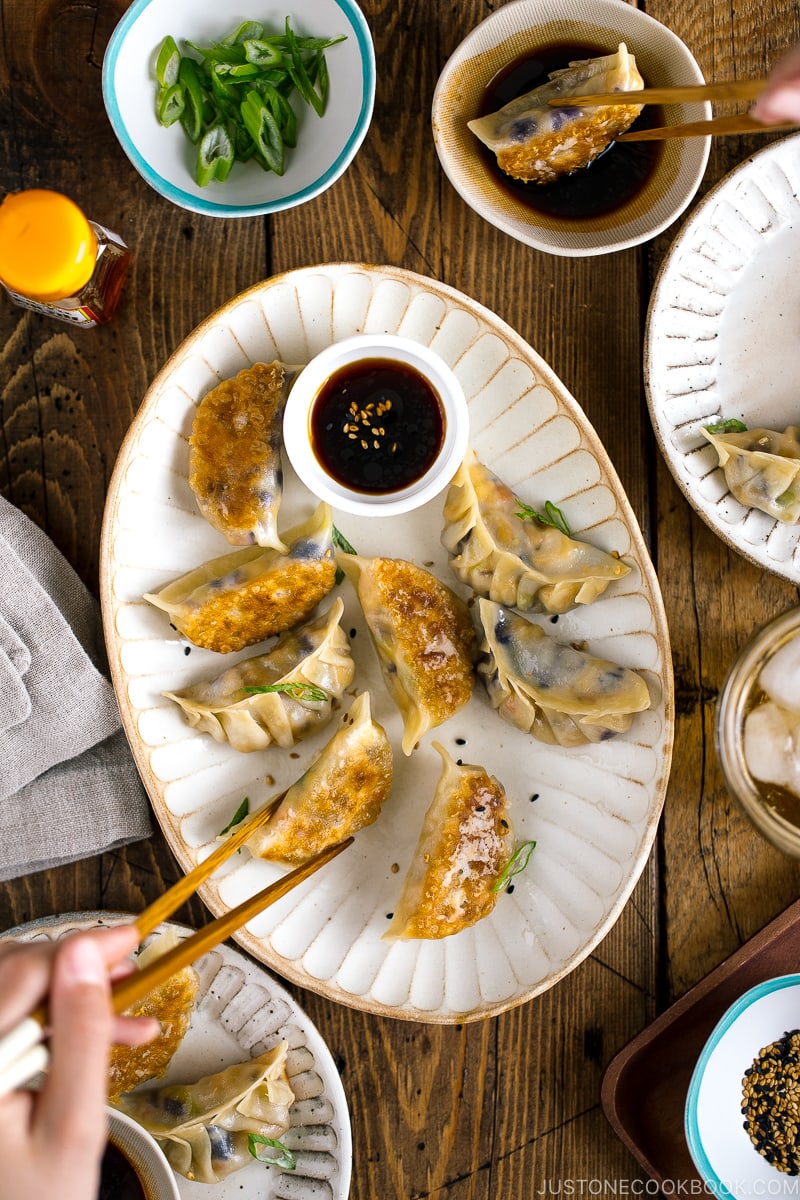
column 69, row 787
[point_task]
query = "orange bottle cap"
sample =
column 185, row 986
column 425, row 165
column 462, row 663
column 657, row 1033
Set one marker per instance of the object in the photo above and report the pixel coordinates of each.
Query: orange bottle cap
column 47, row 247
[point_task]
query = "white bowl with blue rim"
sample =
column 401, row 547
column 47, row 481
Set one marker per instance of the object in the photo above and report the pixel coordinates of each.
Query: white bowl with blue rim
column 166, row 158
column 721, row 1149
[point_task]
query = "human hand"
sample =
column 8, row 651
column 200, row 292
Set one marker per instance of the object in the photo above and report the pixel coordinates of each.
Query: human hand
column 51, row 1141
column 780, row 99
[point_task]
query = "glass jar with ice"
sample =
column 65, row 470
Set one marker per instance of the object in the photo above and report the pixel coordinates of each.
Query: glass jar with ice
column 758, row 731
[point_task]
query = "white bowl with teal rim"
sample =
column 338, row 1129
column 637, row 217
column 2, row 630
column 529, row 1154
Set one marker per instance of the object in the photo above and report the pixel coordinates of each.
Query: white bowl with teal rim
column 723, row 1152
column 165, row 157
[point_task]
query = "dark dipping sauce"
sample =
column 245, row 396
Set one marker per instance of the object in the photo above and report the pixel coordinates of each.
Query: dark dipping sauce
column 611, row 181
column 377, row 426
column 118, row 1177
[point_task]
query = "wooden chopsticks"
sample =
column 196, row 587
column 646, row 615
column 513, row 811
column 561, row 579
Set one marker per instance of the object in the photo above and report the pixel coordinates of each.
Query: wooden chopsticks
column 717, row 125
column 172, row 899
column 22, row 1051
column 138, row 984
column 726, row 89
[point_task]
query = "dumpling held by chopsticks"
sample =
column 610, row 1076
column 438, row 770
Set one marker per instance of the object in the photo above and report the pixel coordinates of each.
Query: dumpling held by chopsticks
column 538, row 144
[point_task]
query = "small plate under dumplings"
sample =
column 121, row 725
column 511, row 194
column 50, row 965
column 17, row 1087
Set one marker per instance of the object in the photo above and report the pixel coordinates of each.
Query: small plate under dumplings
column 230, row 986
column 593, row 811
column 722, row 341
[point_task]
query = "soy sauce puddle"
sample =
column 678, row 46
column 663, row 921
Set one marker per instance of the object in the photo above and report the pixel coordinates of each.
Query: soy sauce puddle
column 612, row 181
column 119, row 1179
column 377, row 426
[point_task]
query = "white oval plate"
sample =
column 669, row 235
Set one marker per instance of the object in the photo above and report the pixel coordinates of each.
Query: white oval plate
column 240, row 1012
column 596, row 809
column 722, row 341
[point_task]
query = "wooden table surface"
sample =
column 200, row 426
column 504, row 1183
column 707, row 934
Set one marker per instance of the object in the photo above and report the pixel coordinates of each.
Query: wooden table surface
column 509, row 1106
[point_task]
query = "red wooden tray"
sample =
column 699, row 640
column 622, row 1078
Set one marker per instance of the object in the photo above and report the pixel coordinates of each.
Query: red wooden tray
column 644, row 1087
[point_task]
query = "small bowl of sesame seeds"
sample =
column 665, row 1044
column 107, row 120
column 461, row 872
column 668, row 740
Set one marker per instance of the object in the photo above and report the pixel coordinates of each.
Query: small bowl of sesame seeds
column 376, row 424
column 742, row 1116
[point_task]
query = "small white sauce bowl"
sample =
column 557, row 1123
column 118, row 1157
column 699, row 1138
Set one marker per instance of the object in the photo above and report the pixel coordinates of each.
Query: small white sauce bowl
column 514, row 31
column 370, row 347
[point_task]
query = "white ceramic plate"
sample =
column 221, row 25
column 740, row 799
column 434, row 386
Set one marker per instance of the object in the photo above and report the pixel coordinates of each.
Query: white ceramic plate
column 240, row 1012
column 165, row 157
column 722, row 341
column 593, row 811
column 720, row 1146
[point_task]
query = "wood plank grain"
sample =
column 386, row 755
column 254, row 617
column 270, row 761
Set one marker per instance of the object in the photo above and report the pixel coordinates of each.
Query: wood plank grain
column 721, row 881
column 510, row 1106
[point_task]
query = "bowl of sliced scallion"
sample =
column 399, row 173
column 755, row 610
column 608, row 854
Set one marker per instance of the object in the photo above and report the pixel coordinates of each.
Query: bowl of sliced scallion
column 240, row 112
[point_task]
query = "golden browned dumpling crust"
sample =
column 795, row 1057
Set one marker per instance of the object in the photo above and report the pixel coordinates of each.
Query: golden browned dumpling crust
column 249, row 594
column 341, row 792
column 433, row 629
column 234, row 455
column 568, row 149
column 172, row 1005
column 465, row 845
column 250, row 612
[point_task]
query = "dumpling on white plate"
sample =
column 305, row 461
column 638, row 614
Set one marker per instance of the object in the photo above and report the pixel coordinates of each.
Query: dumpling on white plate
column 235, row 454
column 424, row 637
column 308, row 669
column 341, row 792
column 559, row 694
column 464, row 847
column 218, row 1124
column 520, row 563
column 762, row 468
column 538, row 144
column 248, row 595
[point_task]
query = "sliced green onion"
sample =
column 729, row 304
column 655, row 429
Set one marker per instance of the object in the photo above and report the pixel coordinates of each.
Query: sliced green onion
column 299, row 74
column 193, row 99
column 224, row 92
column 287, row 1159
column 282, row 111
column 263, row 129
column 518, row 862
column 262, row 53
column 244, row 71
column 170, row 104
column 237, row 818
column 246, row 32
column 322, row 79
column 214, row 156
column 551, row 516
column 732, row 425
column 341, row 542
column 300, row 691
column 168, row 62
column 219, row 53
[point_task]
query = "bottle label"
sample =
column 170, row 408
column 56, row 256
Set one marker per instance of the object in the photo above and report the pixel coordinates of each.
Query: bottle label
column 75, row 316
